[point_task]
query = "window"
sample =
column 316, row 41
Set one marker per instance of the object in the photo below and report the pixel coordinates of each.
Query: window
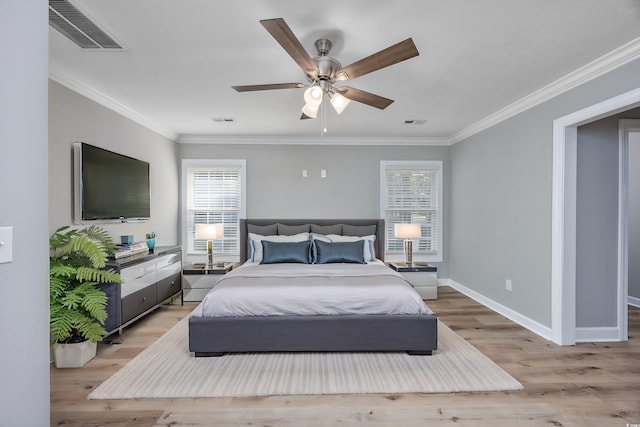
column 213, row 192
column 411, row 192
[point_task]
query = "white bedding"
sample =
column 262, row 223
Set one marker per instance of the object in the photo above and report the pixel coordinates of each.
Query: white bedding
column 311, row 289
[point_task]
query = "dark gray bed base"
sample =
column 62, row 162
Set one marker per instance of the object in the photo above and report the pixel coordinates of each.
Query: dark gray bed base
column 214, row 336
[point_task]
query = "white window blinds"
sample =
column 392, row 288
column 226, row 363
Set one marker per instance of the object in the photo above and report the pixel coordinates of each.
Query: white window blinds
column 213, row 194
column 412, row 193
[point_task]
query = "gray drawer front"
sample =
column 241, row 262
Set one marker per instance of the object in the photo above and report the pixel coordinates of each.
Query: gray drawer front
column 168, row 287
column 138, row 302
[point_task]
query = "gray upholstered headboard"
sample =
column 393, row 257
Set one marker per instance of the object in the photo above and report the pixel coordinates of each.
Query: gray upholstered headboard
column 246, row 224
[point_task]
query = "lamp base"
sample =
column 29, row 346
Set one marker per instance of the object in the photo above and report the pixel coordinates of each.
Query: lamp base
column 408, row 249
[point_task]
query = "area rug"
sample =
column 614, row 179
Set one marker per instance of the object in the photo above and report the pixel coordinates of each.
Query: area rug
column 166, row 369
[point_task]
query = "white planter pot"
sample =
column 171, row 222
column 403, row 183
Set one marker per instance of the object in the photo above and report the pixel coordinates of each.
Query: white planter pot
column 74, row 355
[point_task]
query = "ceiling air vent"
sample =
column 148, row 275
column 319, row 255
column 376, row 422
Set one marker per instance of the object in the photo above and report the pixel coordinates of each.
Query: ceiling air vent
column 223, row 120
column 68, row 20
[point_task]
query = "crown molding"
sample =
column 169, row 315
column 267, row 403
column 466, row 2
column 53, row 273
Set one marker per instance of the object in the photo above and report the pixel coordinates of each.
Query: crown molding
column 311, row 140
column 606, row 63
column 77, row 85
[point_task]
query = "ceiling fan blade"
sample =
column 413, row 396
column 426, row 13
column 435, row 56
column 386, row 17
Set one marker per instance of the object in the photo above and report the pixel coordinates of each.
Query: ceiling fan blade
column 365, row 97
column 392, row 55
column 283, row 35
column 303, row 116
column 250, row 88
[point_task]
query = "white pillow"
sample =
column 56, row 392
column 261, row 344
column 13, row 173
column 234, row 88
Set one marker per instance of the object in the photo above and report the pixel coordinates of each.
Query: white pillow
column 369, row 252
column 255, row 241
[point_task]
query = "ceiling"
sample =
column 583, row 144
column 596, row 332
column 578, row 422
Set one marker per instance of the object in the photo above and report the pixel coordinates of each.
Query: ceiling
column 477, row 58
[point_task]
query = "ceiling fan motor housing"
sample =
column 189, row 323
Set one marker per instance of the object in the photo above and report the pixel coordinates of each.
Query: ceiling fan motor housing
column 327, row 66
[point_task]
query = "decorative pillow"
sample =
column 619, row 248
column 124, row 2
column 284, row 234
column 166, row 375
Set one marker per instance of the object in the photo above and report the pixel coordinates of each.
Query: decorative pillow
column 255, row 241
column 326, row 229
column 289, row 230
column 368, row 249
column 264, row 230
column 351, row 252
column 358, row 230
column 280, row 252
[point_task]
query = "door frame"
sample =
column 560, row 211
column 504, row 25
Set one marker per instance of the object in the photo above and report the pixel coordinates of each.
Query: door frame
column 563, row 211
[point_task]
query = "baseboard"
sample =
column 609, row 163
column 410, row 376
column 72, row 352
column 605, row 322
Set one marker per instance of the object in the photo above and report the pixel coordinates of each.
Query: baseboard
column 608, row 334
column 634, row 301
column 514, row 316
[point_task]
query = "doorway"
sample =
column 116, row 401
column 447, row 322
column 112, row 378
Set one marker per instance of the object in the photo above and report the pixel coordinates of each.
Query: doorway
column 563, row 233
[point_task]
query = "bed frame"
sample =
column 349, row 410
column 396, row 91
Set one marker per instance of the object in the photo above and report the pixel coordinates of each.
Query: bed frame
column 214, row 336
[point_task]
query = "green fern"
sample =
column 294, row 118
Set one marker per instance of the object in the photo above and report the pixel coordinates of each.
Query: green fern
column 76, row 268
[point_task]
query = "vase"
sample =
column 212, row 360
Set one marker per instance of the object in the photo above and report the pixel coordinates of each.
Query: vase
column 74, row 355
column 151, row 243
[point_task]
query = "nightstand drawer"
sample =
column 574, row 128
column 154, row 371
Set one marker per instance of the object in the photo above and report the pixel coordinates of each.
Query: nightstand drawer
column 425, row 283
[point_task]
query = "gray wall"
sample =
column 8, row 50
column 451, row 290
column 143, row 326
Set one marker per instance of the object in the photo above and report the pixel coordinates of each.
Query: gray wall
column 500, row 206
column 276, row 188
column 24, row 289
column 74, row 118
column 634, row 216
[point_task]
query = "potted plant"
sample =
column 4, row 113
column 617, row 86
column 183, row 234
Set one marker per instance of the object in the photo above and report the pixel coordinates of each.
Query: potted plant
column 77, row 305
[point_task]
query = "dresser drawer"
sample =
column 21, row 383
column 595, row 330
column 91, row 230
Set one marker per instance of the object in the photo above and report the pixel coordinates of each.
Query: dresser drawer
column 168, row 286
column 137, row 277
column 138, row 302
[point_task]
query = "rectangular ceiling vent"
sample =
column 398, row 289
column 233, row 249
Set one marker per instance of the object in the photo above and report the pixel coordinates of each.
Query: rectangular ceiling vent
column 77, row 27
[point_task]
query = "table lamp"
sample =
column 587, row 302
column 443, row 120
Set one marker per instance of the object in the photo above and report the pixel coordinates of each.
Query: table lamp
column 408, row 232
column 209, row 232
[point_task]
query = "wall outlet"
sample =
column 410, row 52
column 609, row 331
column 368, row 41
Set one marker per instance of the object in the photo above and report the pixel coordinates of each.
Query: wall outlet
column 508, row 285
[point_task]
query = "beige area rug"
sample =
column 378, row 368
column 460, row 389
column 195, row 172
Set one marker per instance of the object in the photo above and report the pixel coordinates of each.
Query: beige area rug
column 166, row 369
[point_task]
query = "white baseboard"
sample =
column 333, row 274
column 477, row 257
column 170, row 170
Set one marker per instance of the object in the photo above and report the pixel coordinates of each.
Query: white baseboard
column 609, row 334
column 524, row 321
column 634, row 301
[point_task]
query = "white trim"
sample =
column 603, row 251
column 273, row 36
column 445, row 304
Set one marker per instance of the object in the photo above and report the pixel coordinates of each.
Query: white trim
column 77, row 85
column 634, row 301
column 602, row 334
column 563, row 239
column 312, row 140
column 514, row 316
column 606, row 63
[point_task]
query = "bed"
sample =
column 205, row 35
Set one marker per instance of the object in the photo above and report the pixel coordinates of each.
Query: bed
column 276, row 302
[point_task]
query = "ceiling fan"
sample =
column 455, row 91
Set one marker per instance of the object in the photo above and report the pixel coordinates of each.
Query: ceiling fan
column 323, row 71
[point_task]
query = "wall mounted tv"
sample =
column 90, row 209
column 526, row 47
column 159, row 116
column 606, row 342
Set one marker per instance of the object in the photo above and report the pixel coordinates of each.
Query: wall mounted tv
column 109, row 186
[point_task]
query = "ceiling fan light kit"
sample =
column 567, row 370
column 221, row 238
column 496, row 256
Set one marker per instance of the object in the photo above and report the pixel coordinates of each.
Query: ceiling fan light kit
column 323, row 71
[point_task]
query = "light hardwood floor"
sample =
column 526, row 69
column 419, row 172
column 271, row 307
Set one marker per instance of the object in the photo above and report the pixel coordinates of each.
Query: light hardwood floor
column 584, row 385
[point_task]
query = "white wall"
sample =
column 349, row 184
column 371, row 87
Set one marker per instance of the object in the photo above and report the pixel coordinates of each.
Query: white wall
column 24, row 289
column 74, row 118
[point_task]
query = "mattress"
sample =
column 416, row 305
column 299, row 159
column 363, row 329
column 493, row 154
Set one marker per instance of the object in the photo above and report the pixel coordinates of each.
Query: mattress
column 310, row 289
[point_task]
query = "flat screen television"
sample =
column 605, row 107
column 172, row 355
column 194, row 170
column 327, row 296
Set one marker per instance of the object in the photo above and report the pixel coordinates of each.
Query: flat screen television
column 109, row 186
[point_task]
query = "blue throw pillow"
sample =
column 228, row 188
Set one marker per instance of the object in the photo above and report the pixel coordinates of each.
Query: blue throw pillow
column 351, row 252
column 281, row 252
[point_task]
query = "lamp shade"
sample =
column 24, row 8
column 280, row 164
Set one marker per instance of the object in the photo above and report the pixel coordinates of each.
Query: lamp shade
column 339, row 102
column 310, row 110
column 407, row 231
column 313, row 95
column 209, row 231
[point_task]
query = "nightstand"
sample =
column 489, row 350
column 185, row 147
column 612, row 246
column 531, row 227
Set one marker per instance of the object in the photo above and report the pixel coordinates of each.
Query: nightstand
column 198, row 280
column 424, row 278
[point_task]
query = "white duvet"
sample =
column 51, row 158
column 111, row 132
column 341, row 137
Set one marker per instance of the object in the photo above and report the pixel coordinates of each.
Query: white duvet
column 304, row 289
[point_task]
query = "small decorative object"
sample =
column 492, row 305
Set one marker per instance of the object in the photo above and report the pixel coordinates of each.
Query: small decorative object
column 408, row 232
column 151, row 240
column 127, row 239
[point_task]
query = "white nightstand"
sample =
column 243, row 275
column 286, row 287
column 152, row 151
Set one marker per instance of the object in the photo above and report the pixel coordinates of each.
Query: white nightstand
column 424, row 278
column 198, row 280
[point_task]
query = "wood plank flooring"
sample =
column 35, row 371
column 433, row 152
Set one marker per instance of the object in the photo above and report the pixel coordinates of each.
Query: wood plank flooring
column 584, row 385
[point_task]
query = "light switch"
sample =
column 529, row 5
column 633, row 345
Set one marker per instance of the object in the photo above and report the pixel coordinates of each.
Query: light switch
column 323, row 173
column 6, row 244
